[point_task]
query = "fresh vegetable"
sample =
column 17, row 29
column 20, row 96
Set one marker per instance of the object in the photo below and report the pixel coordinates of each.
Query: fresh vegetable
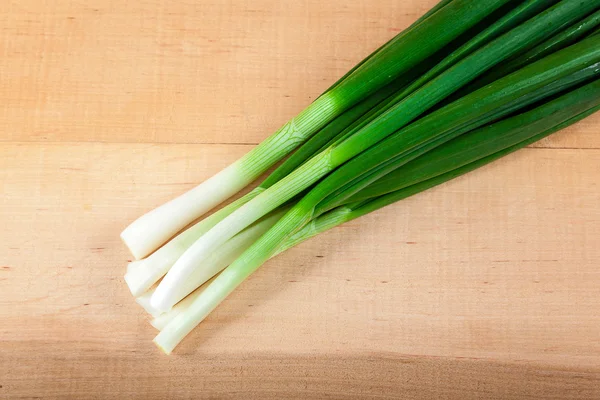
column 465, row 85
column 398, row 57
column 559, row 41
column 456, row 158
column 397, row 116
column 142, row 274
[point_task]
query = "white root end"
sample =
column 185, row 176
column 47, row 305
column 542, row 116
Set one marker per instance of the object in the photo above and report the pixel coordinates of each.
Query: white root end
column 153, row 229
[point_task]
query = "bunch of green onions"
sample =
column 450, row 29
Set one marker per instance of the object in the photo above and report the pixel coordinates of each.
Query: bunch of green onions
column 468, row 83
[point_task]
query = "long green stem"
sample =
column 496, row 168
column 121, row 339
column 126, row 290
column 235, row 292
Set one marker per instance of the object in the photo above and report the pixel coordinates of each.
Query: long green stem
column 564, row 38
column 561, row 40
column 416, row 134
column 301, row 214
column 411, row 48
column 346, row 213
column 428, row 14
column 142, row 274
column 386, row 168
column 515, row 17
column 454, row 159
column 145, row 273
column 486, row 101
column 489, row 140
column 390, row 198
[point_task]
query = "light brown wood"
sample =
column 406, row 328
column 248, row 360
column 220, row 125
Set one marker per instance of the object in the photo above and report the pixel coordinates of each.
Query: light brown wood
column 209, row 71
column 486, row 287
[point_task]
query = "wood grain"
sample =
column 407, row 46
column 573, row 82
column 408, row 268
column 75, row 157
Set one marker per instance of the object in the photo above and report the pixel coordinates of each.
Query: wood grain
column 485, row 287
column 499, row 266
column 209, row 71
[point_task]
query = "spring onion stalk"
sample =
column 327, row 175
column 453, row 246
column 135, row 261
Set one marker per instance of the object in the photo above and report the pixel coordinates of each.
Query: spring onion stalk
column 546, row 70
column 349, row 212
column 144, row 301
column 428, row 14
column 563, row 39
column 360, row 181
column 478, row 148
column 141, row 278
column 162, row 320
column 397, row 58
column 425, row 177
column 228, row 253
column 510, row 20
column 486, row 141
column 518, row 15
column 231, row 250
column 507, row 22
column 567, row 37
column 142, row 274
column 529, row 33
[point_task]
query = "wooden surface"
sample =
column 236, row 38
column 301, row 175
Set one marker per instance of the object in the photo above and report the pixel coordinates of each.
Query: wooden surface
column 486, row 287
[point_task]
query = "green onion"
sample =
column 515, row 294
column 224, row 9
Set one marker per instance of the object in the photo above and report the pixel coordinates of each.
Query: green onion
column 484, row 142
column 360, row 181
column 429, row 13
column 162, row 320
column 350, row 212
column 468, row 83
column 395, row 59
column 565, row 38
column 448, row 161
column 420, row 175
column 515, row 17
column 525, row 35
column 142, row 274
column 150, row 270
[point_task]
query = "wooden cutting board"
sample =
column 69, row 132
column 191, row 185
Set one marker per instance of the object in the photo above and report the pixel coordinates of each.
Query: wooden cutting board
column 486, row 287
